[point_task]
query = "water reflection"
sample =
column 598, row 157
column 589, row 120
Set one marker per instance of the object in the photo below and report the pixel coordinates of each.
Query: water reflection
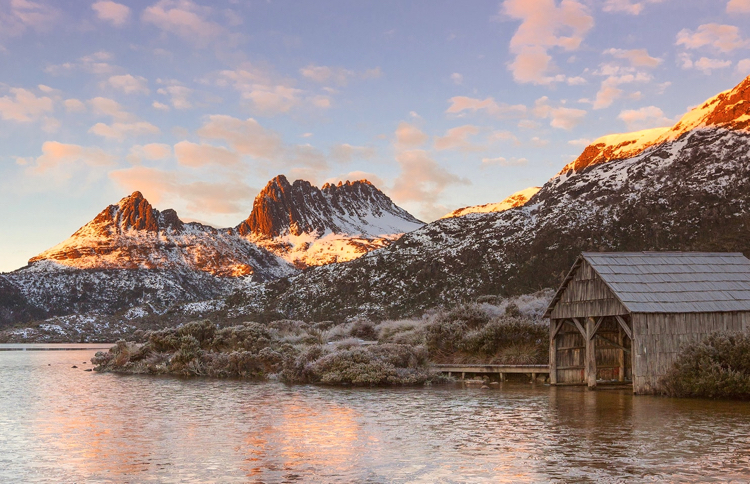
column 59, row 424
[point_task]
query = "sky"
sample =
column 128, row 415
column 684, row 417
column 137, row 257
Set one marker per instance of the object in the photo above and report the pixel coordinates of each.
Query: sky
column 441, row 104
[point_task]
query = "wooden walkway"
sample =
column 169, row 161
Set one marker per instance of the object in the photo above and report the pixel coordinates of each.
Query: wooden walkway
column 501, row 371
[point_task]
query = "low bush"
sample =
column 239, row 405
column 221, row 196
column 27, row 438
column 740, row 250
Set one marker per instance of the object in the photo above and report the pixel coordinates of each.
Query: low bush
column 717, row 367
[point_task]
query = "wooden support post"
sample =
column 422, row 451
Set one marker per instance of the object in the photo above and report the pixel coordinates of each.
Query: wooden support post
column 533, row 378
column 590, row 372
column 502, row 377
column 463, row 375
column 621, row 354
column 554, row 329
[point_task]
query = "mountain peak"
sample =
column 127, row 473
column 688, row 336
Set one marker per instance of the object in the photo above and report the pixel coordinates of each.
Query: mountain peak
column 728, row 110
column 302, row 208
column 518, row 199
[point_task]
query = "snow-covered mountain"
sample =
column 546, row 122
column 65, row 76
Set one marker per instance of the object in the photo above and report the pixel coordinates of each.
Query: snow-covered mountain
column 133, row 254
column 134, row 235
column 518, row 199
column 681, row 188
column 311, row 226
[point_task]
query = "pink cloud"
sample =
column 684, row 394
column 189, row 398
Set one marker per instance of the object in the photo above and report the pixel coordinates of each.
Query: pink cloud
column 115, row 13
column 545, row 24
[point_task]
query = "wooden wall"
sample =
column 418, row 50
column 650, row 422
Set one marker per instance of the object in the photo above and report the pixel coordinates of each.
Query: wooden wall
column 587, row 295
column 658, row 337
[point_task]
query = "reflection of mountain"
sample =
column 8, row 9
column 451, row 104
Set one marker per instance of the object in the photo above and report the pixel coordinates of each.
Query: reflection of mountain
column 686, row 189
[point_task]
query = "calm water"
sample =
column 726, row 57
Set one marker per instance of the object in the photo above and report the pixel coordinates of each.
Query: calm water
column 60, row 424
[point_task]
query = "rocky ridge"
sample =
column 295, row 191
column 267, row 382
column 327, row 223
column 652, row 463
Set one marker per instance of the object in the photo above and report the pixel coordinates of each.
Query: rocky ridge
column 310, row 226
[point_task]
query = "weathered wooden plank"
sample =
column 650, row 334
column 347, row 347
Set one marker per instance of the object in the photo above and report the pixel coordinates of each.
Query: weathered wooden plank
column 624, row 326
column 590, row 353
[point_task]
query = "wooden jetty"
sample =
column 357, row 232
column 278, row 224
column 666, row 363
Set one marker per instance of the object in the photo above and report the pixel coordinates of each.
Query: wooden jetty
column 500, row 372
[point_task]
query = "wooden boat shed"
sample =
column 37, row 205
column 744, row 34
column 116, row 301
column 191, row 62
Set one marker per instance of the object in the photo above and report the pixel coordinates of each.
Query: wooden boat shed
column 623, row 316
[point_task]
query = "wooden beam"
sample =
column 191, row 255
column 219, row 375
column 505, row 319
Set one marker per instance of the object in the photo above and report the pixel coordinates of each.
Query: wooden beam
column 556, row 328
column 610, row 342
column 625, row 326
column 596, row 327
column 590, row 373
column 580, row 327
column 553, row 354
column 621, row 354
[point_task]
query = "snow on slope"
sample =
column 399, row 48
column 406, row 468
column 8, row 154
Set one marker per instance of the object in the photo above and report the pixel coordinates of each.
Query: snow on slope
column 729, row 110
column 518, row 199
column 134, row 235
column 311, row 226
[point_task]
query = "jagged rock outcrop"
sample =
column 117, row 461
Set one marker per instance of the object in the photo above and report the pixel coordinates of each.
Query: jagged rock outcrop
column 311, row 226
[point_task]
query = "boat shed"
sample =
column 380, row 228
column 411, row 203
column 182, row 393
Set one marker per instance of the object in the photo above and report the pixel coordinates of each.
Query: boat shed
column 624, row 316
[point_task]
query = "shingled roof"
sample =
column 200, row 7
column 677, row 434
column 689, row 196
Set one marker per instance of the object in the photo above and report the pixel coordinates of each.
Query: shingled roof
column 671, row 282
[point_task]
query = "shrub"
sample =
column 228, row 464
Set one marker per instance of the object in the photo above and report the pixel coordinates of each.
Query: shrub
column 202, row 331
column 717, row 367
column 363, row 329
column 251, row 337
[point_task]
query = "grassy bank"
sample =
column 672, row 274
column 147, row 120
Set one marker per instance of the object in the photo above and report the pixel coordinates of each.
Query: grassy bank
column 717, row 367
column 358, row 353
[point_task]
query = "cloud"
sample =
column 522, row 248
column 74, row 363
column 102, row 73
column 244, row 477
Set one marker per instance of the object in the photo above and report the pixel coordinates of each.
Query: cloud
column 24, row 14
column 626, row 6
column 346, row 153
column 247, row 137
column 159, row 106
column 179, row 95
column 116, row 13
column 636, row 57
column 421, row 179
column 129, row 84
column 457, row 78
column 544, row 25
column 619, row 74
column 195, row 155
column 409, row 136
column 502, row 136
column 74, row 106
column 724, row 38
column 60, row 155
column 502, row 161
column 202, row 196
column 560, row 117
column 489, row 106
column 743, row 67
column 336, row 75
column 706, row 65
column 150, row 152
column 109, row 107
column 607, row 93
column 272, row 100
column 95, row 63
column 185, row 19
column 644, row 118
column 24, row 106
column 458, row 139
column 738, row 6
column 119, row 131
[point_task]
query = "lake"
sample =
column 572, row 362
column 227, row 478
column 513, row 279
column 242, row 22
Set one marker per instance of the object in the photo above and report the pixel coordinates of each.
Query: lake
column 64, row 424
